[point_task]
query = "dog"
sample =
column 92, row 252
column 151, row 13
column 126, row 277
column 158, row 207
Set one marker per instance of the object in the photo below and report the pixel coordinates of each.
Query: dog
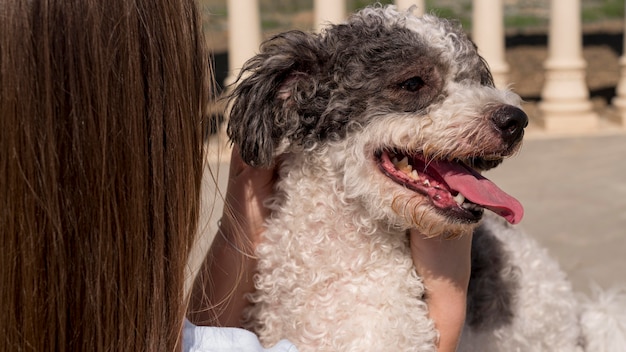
column 384, row 124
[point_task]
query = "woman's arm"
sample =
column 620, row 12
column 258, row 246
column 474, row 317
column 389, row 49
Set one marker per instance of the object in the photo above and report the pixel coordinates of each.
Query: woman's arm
column 444, row 265
column 226, row 275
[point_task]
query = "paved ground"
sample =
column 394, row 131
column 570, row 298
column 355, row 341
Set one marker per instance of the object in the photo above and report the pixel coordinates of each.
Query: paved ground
column 574, row 193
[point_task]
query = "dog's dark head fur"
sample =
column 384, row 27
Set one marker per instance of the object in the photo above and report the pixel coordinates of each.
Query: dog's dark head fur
column 387, row 83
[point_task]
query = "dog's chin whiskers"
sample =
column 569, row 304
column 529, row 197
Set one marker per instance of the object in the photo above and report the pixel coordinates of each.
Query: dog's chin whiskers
column 414, row 214
column 422, row 214
column 394, row 205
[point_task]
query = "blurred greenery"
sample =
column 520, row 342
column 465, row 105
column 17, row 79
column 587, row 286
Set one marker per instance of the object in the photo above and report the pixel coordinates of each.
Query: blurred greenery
column 600, row 10
column 278, row 14
column 524, row 21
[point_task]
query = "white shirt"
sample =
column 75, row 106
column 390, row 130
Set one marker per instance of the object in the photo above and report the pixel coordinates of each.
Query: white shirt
column 214, row 339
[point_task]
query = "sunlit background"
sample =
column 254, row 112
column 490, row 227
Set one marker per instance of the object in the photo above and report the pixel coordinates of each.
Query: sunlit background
column 573, row 186
column 526, row 25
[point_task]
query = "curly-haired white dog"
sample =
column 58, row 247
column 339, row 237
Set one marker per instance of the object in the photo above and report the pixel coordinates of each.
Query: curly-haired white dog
column 384, row 123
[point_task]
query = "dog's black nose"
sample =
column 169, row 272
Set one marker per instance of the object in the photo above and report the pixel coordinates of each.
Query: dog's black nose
column 510, row 122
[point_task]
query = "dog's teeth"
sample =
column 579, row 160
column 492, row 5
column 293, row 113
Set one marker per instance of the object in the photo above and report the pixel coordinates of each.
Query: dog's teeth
column 407, row 170
column 426, row 183
column 471, row 206
column 459, row 199
column 414, row 175
column 402, row 163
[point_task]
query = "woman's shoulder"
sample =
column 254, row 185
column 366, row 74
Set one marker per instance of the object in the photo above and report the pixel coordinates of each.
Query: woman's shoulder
column 214, row 339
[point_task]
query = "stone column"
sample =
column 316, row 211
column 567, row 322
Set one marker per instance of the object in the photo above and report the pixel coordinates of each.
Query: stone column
column 565, row 105
column 405, row 4
column 244, row 34
column 620, row 100
column 328, row 11
column 488, row 34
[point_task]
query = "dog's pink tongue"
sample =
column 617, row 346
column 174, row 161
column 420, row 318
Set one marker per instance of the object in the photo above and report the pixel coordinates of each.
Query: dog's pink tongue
column 479, row 190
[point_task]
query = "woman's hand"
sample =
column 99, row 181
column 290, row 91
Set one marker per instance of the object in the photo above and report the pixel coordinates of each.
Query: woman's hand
column 226, row 275
column 248, row 188
column 444, row 265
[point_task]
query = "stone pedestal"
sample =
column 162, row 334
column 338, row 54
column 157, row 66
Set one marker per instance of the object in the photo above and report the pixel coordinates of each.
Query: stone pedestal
column 620, row 99
column 488, row 34
column 565, row 106
column 244, row 34
column 328, row 11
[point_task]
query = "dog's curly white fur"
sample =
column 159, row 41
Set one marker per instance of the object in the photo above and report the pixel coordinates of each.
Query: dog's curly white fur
column 335, row 270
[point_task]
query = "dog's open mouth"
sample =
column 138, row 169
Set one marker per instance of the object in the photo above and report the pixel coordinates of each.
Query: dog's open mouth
column 453, row 187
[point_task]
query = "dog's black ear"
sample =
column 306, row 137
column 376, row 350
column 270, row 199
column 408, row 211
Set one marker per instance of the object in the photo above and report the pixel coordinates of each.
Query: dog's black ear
column 264, row 103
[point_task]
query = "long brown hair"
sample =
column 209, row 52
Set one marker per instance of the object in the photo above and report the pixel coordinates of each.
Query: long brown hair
column 101, row 121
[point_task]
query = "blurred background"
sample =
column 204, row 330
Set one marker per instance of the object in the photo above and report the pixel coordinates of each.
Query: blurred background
column 572, row 182
column 525, row 22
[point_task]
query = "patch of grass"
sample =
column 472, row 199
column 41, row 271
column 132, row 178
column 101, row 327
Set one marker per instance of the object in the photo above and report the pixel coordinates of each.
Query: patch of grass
column 614, row 8
column 270, row 23
column 286, row 6
column 522, row 21
column 450, row 14
column 462, row 13
column 603, row 10
column 354, row 5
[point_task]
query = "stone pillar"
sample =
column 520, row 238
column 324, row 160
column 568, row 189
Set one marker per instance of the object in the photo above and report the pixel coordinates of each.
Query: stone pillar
column 244, row 34
column 488, row 34
column 620, row 99
column 565, row 105
column 328, row 11
column 405, row 4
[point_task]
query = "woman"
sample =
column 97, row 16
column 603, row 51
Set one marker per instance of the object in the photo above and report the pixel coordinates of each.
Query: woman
column 100, row 165
column 101, row 122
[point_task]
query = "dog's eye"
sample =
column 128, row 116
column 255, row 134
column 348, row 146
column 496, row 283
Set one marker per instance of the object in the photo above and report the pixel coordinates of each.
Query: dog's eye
column 412, row 84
